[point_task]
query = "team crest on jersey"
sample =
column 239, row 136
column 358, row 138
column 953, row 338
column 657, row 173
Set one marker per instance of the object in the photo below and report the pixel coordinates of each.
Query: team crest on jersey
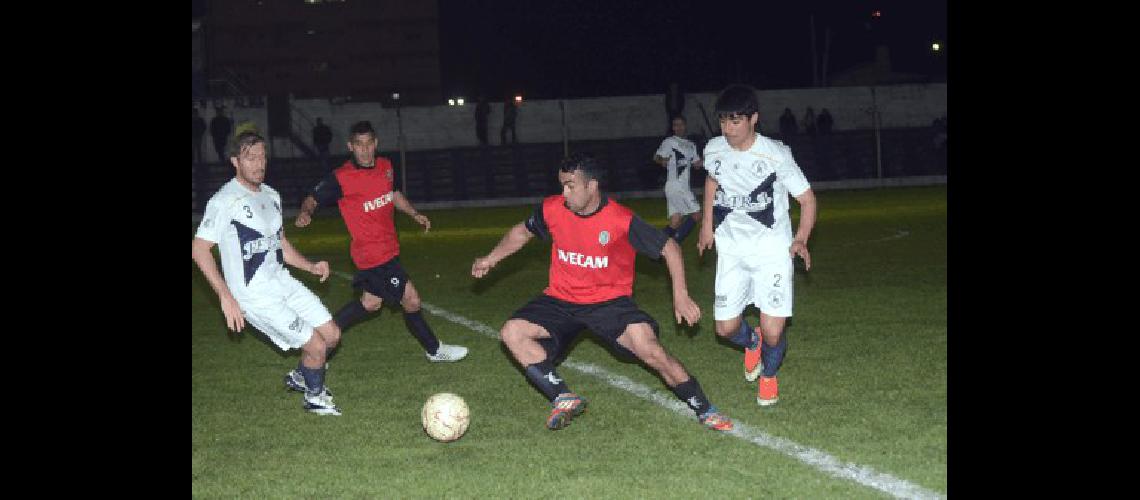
column 389, row 174
column 604, row 237
column 776, row 298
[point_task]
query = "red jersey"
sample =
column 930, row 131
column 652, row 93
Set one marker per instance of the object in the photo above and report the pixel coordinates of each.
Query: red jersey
column 591, row 257
column 365, row 201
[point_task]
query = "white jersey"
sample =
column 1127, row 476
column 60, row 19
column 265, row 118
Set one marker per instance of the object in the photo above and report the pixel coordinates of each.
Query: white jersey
column 246, row 225
column 750, row 208
column 681, row 153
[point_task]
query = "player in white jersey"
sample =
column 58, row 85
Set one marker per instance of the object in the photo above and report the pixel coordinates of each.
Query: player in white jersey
column 244, row 219
column 679, row 157
column 746, row 215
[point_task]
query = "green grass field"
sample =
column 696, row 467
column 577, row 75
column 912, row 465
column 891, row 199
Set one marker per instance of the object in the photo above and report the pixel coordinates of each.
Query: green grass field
column 864, row 380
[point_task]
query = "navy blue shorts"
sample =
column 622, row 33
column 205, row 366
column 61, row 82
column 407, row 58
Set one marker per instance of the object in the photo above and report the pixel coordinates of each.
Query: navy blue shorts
column 386, row 281
column 565, row 320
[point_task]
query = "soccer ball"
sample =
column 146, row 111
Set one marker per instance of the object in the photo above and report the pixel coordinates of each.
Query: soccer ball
column 445, row 416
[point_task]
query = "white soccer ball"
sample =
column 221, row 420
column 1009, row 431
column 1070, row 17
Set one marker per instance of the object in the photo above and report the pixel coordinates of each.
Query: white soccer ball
column 445, row 417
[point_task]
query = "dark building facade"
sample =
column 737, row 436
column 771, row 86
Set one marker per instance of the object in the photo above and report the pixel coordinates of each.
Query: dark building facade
column 360, row 50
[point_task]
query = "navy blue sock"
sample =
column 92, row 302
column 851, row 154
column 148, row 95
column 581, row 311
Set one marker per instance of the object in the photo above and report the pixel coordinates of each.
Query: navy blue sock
column 684, row 229
column 744, row 337
column 773, row 356
column 422, row 331
column 691, row 393
column 350, row 314
column 545, row 377
column 314, row 379
column 669, row 231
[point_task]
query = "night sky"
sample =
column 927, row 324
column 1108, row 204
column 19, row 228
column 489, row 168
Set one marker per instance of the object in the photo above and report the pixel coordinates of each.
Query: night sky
column 554, row 48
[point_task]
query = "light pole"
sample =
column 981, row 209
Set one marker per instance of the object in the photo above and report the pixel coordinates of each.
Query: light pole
column 400, row 144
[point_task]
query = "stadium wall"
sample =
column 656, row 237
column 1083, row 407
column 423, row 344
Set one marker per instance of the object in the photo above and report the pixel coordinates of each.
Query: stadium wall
column 600, row 118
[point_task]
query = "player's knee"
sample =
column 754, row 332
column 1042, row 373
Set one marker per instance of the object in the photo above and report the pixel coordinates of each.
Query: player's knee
column 654, row 355
column 371, row 304
column 331, row 336
column 725, row 330
column 315, row 347
column 772, row 339
column 411, row 303
column 512, row 333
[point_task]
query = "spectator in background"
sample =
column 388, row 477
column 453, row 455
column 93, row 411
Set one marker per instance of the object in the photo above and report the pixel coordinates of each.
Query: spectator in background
column 220, row 132
column 788, row 124
column 940, row 132
column 322, row 137
column 674, row 106
column 510, row 113
column 482, row 111
column 197, row 131
column 824, row 122
column 809, row 122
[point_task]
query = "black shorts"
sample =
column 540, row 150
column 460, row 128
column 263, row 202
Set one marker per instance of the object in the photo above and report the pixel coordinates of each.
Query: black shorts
column 386, row 281
column 564, row 320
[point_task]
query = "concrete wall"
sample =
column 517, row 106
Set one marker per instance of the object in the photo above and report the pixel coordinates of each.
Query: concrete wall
column 438, row 127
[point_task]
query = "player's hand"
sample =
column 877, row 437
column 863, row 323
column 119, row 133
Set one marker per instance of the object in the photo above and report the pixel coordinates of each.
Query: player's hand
column 321, row 269
column 698, row 163
column 684, row 308
column 234, row 319
column 303, row 219
column 800, row 248
column 481, row 267
column 423, row 221
column 705, row 239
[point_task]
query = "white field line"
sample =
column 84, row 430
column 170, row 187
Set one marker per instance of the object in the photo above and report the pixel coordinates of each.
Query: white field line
column 863, row 475
column 901, row 233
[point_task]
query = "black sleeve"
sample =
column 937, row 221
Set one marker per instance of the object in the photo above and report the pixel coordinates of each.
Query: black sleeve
column 327, row 191
column 537, row 225
column 646, row 239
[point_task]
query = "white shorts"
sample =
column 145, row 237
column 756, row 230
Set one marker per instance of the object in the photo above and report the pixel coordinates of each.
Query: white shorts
column 765, row 280
column 286, row 313
column 680, row 200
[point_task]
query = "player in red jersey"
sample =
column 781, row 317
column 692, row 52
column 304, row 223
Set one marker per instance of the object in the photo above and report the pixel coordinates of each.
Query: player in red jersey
column 594, row 241
column 364, row 192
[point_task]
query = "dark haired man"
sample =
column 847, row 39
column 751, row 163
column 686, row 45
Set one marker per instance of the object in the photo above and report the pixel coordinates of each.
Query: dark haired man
column 594, row 241
column 363, row 189
column 746, row 215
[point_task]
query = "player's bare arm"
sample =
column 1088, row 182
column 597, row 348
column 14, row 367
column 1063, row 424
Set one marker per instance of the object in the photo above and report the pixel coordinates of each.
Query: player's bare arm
column 511, row 243
column 402, row 204
column 200, row 251
column 295, row 259
column 308, row 206
column 808, row 210
column 661, row 160
column 683, row 305
column 705, row 240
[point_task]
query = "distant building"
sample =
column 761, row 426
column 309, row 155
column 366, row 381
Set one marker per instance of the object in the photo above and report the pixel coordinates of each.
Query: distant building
column 359, row 50
column 877, row 72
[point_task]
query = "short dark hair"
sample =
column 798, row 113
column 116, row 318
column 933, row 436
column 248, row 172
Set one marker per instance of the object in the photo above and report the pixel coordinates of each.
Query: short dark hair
column 587, row 163
column 241, row 142
column 737, row 100
column 678, row 117
column 361, row 127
